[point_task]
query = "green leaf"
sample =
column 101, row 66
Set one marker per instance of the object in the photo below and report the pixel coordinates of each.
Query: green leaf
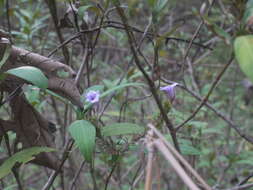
column 22, row 157
column 30, row 74
column 243, row 47
column 84, row 134
column 121, row 129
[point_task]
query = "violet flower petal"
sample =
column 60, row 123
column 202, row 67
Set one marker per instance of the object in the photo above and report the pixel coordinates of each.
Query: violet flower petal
column 170, row 91
column 92, row 96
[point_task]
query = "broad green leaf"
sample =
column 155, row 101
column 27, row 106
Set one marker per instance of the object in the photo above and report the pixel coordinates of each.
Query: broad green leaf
column 84, row 134
column 21, row 157
column 7, row 52
column 30, row 74
column 243, row 47
column 121, row 129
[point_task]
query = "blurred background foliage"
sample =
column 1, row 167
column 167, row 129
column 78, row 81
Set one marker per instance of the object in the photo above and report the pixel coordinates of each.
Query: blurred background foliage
column 211, row 146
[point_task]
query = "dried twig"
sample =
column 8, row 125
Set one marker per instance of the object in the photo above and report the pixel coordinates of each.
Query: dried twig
column 149, row 167
column 180, row 158
column 175, row 164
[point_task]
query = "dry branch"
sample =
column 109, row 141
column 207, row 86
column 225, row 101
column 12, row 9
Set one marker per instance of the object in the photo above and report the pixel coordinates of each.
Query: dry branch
column 31, row 127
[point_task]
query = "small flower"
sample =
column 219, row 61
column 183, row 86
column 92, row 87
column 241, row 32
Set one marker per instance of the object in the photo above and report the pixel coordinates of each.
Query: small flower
column 170, row 90
column 92, row 96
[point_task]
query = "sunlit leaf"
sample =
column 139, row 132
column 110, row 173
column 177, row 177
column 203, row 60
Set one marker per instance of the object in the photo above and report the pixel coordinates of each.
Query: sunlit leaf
column 84, row 134
column 30, row 74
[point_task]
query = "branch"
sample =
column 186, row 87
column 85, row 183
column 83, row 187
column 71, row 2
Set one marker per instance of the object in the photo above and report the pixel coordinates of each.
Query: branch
column 151, row 84
column 204, row 100
column 63, row 86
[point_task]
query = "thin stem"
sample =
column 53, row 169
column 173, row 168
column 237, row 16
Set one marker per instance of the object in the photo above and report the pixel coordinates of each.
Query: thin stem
column 65, row 156
column 146, row 76
column 77, row 175
column 204, row 100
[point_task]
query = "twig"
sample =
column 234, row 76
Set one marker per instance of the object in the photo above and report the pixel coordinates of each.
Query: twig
column 180, row 158
column 54, row 174
column 81, row 69
column 109, row 25
column 110, row 175
column 14, row 170
column 7, row 7
column 14, row 93
column 246, row 179
column 218, row 113
column 151, row 84
column 242, row 187
column 149, row 167
column 175, row 164
column 53, row 11
column 193, row 38
column 204, row 100
column 93, row 177
column 151, row 35
column 136, row 179
column 77, row 175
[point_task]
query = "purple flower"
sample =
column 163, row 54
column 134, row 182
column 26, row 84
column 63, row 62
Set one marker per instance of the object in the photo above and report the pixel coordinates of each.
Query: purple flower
column 170, row 90
column 92, row 96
